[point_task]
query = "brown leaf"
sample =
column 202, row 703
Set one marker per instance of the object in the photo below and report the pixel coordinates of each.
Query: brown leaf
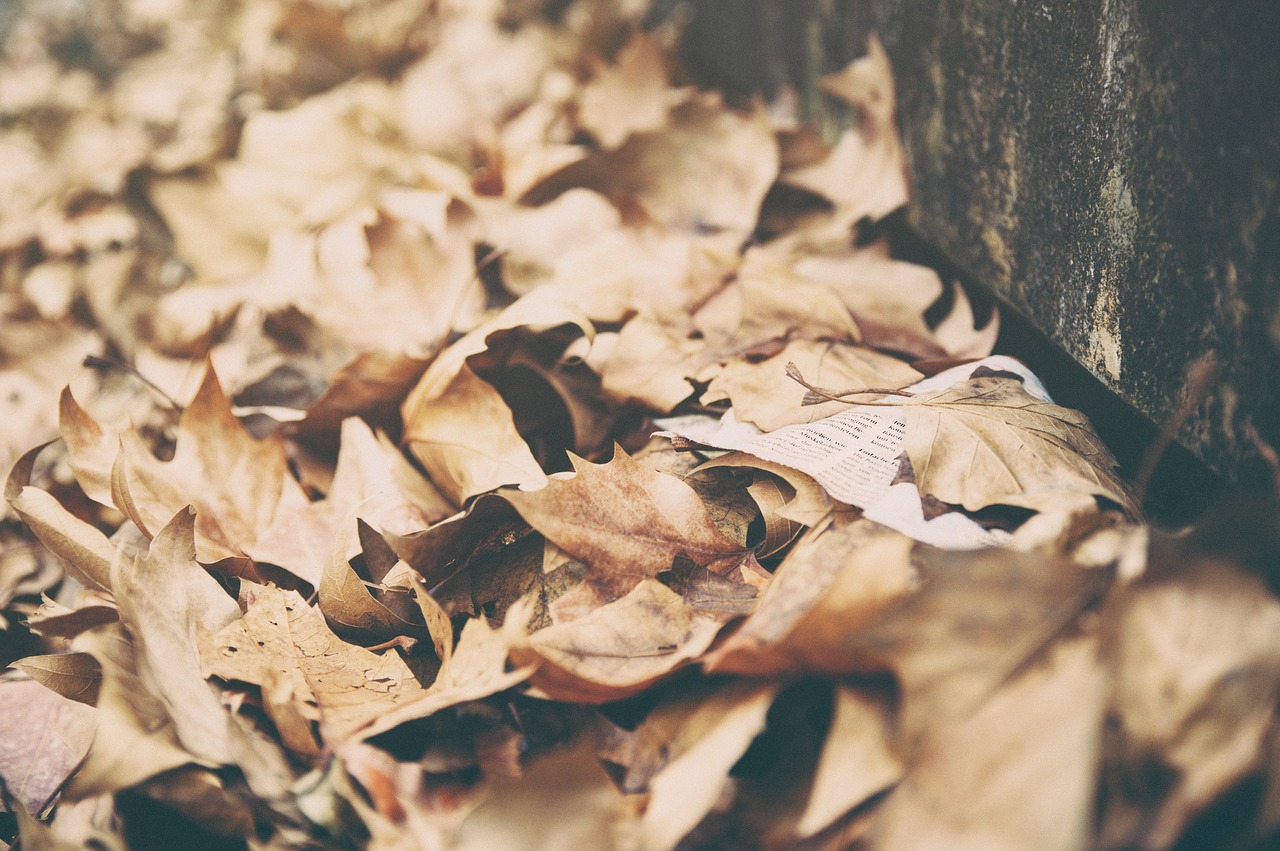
column 690, row 785
column 808, row 502
column 865, row 174
column 349, row 605
column 632, row 96
column 85, row 552
column 887, row 297
column 987, row 440
column 458, row 426
column 280, row 634
column 616, row 650
column 837, row 578
column 1195, row 681
column 564, row 800
column 247, row 502
column 54, row 620
column 136, row 738
column 857, row 760
column 760, row 393
column 73, row 676
column 624, row 520
column 43, row 737
column 708, row 168
column 476, row 669
column 375, row 483
column 167, row 602
column 1025, row 761
column 976, row 619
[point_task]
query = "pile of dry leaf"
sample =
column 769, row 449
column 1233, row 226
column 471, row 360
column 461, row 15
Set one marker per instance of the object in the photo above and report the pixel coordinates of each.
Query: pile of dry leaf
column 353, row 530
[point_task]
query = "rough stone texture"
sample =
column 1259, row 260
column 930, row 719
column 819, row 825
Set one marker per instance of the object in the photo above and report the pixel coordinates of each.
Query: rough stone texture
column 1108, row 167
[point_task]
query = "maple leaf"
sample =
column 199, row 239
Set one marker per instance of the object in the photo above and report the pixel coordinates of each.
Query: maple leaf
column 617, row 649
column 280, row 636
column 760, row 395
column 625, row 521
column 988, row 440
column 247, row 502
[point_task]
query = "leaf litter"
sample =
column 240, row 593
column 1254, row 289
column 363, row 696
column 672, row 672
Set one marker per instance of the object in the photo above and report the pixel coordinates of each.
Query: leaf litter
column 354, row 531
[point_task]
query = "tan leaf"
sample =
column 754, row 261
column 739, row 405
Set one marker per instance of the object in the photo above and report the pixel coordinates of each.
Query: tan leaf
column 85, row 552
column 624, row 520
column 865, row 174
column 565, row 800
column 54, row 620
column 632, row 96
column 808, row 503
column 280, row 635
column 857, row 760
column 837, row 578
column 976, row 619
column 616, row 650
column 93, row 451
column 375, row 483
column 43, row 737
column 349, row 606
column 988, row 440
column 760, row 393
column 650, row 363
column 458, row 426
column 168, row 602
column 887, row 297
column 1026, row 759
column 687, row 788
column 247, row 502
column 136, row 738
column 1195, row 681
column 709, row 167
column 476, row 669
column 957, row 332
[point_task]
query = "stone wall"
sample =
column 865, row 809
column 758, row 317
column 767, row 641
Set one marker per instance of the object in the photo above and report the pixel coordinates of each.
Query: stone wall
column 1108, row 167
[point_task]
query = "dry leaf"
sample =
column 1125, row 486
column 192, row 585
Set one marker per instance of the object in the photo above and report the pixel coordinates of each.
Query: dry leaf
column 565, row 800
column 687, row 788
column 167, row 603
column 837, row 578
column 476, row 669
column 85, row 552
column 632, row 96
column 247, row 502
column 73, row 676
column 280, row 635
column 617, row 649
column 759, row 391
column 1025, row 761
column 987, row 440
column 1195, row 680
column 44, row 738
column 625, row 521
column 135, row 739
column 857, row 760
column 865, row 174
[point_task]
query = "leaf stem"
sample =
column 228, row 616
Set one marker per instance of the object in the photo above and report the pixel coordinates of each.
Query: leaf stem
column 818, row 394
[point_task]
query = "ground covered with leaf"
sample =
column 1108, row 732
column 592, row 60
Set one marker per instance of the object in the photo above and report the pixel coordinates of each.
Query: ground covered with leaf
column 441, row 424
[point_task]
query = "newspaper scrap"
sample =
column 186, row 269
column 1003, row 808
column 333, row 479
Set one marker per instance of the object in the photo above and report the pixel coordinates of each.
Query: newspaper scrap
column 855, row 455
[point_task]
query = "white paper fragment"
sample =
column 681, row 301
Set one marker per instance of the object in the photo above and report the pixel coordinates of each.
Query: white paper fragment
column 855, row 455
